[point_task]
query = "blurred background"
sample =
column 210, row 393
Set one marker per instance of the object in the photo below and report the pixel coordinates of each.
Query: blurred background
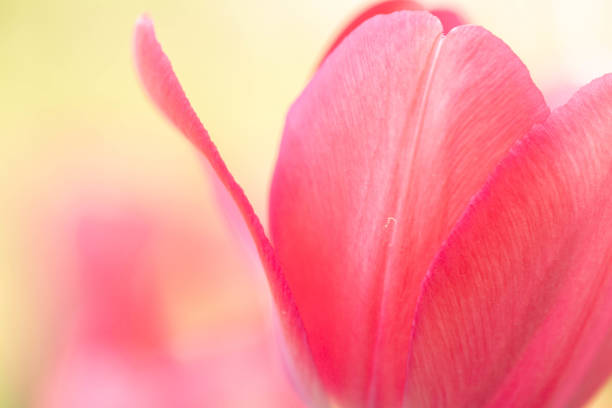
column 94, row 180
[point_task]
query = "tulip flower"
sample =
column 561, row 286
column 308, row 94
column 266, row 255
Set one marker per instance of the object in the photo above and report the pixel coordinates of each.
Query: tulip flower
column 118, row 352
column 438, row 237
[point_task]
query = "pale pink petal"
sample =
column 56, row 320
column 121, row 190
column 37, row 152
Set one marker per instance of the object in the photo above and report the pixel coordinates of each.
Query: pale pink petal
column 448, row 18
column 516, row 310
column 380, row 156
column 235, row 375
column 103, row 378
column 244, row 373
column 118, row 297
column 165, row 90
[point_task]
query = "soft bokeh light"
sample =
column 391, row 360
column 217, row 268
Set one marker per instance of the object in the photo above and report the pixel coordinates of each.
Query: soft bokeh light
column 77, row 132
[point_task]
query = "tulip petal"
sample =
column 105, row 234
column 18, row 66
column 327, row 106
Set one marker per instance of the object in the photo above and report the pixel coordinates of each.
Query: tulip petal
column 516, row 309
column 448, row 18
column 163, row 87
column 379, row 158
column 384, row 7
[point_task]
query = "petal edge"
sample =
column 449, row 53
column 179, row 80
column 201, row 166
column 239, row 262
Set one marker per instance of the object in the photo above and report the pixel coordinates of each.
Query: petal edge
column 162, row 85
column 519, row 298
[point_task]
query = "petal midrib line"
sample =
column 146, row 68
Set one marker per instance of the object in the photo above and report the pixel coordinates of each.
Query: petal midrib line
column 403, row 180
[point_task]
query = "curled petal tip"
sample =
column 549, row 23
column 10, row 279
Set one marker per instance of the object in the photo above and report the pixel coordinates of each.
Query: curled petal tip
column 142, row 29
column 144, row 18
column 162, row 85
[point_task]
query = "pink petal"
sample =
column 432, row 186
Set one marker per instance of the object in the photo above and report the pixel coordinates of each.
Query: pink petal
column 119, row 299
column 516, row 310
column 165, row 90
column 384, row 7
column 101, row 378
column 90, row 377
column 380, row 156
column 448, row 18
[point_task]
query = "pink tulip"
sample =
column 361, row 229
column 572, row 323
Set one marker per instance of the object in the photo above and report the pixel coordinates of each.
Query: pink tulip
column 118, row 351
column 439, row 238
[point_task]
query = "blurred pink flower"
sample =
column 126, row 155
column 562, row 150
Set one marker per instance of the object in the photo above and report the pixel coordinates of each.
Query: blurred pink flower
column 119, row 353
column 439, row 237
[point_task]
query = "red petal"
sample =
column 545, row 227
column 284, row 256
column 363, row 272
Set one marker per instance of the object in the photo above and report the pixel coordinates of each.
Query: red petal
column 517, row 307
column 165, row 90
column 448, row 18
column 380, row 156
